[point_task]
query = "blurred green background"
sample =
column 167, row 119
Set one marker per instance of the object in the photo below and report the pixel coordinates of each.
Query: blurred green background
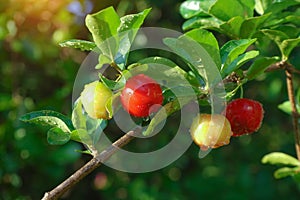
column 37, row 74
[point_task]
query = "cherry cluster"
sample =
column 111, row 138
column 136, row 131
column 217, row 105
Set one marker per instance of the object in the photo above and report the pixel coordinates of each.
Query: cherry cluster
column 142, row 96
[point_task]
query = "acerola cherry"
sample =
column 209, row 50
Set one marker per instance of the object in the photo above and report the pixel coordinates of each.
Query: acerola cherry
column 140, row 94
column 94, row 98
column 244, row 115
column 210, row 131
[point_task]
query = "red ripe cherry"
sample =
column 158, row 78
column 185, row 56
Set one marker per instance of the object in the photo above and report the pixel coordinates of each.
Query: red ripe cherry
column 245, row 116
column 140, row 95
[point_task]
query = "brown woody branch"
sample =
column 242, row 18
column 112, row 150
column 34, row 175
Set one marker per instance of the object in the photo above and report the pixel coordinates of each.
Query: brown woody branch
column 289, row 71
column 95, row 162
column 295, row 114
column 283, row 65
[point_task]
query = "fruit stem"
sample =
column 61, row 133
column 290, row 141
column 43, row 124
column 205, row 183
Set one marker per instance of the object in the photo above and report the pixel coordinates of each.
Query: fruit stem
column 94, row 163
column 295, row 114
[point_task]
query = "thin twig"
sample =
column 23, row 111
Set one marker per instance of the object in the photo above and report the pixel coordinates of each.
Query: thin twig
column 95, row 162
column 295, row 114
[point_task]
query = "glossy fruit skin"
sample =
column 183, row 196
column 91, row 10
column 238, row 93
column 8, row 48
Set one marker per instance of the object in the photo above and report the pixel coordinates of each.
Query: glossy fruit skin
column 140, row 94
column 210, row 131
column 94, row 98
column 244, row 115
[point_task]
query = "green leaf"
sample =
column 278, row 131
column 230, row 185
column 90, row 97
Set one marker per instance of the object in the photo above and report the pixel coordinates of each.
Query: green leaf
column 168, row 68
column 251, row 25
column 279, row 158
column 289, row 30
column 192, row 8
column 232, row 49
column 95, row 128
column 197, row 58
column 208, row 41
column 88, row 152
column 287, row 108
column 162, row 114
column 238, row 62
column 284, row 18
column 158, row 60
column 88, row 129
column 56, row 136
column 288, row 45
column 76, row 135
column 262, row 5
column 293, row 19
column 285, row 44
column 259, row 66
column 113, row 104
column 201, row 22
column 174, row 73
column 78, row 118
column 133, row 21
column 280, row 6
column 107, row 82
column 50, row 119
column 227, row 9
column 103, row 25
column 275, row 35
column 79, row 121
column 79, row 44
column 182, row 50
column 166, row 111
column 232, row 27
column 286, row 171
column 127, row 31
column 102, row 60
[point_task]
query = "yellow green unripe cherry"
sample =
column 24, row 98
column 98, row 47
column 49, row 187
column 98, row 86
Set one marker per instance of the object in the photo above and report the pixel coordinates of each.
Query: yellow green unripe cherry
column 210, row 131
column 94, row 98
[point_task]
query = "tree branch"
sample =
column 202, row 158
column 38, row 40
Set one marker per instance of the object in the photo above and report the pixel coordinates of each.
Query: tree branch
column 295, row 114
column 95, row 162
column 289, row 71
column 283, row 65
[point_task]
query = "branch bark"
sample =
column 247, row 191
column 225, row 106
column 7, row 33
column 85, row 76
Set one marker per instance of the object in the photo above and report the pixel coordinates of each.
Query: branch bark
column 295, row 114
column 94, row 163
column 289, row 71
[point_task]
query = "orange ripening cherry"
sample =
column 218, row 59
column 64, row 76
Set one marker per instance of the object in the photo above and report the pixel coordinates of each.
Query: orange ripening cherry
column 244, row 115
column 210, row 131
column 141, row 93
